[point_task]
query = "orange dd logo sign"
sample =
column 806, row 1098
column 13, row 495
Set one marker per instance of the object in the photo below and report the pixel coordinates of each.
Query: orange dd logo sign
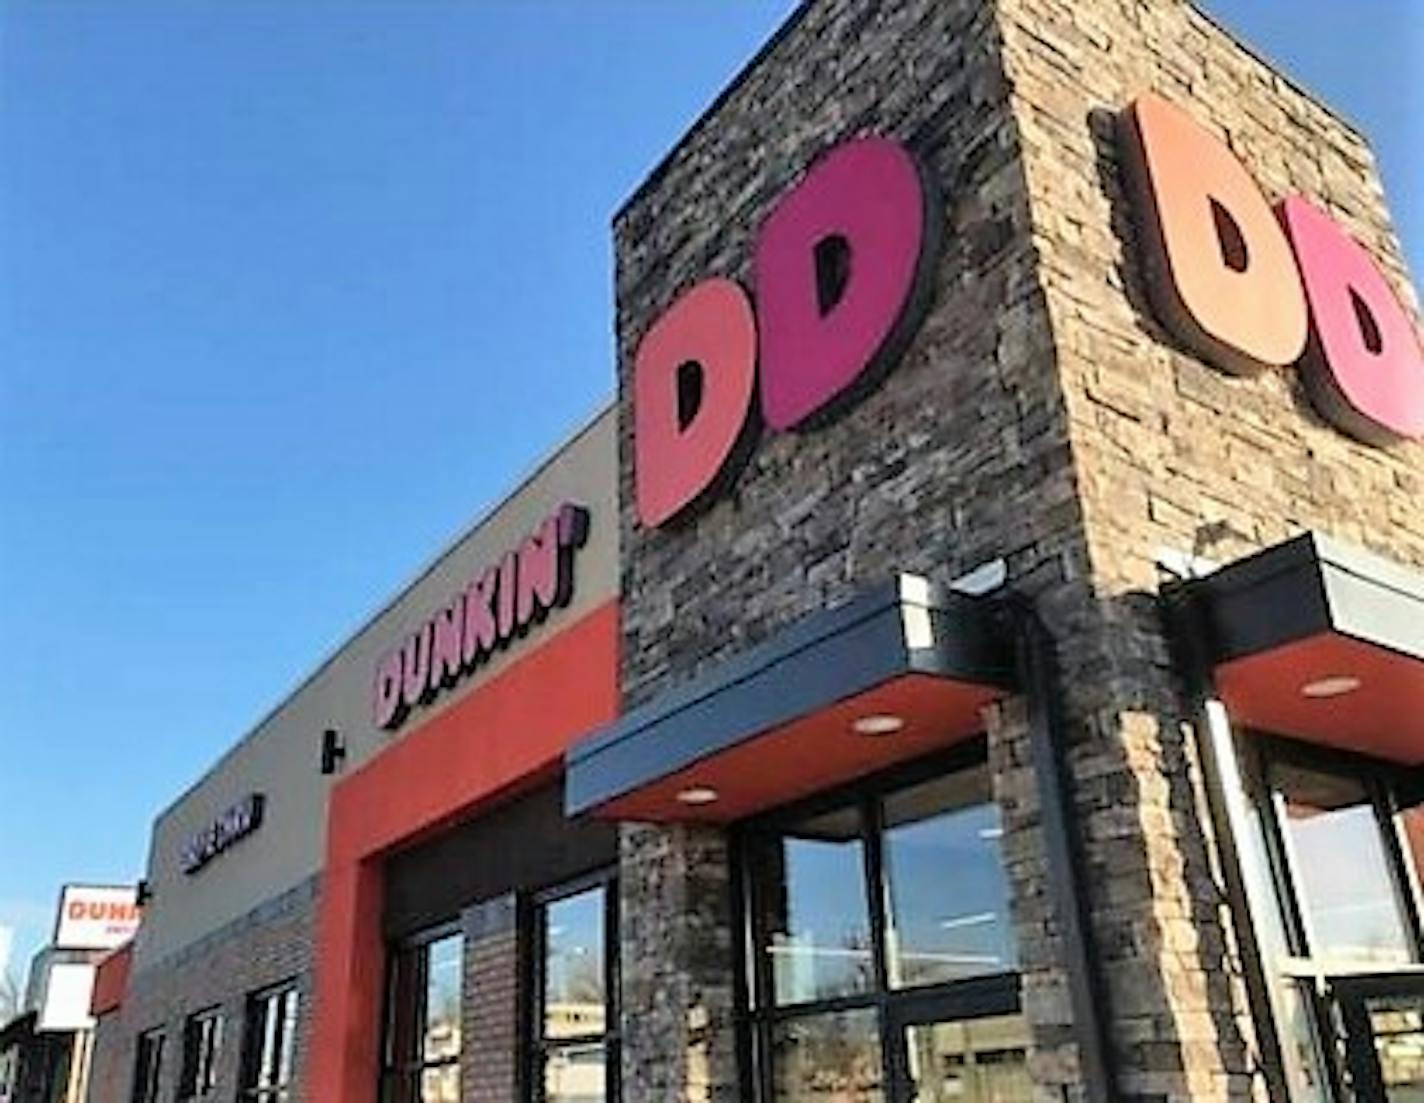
column 1249, row 288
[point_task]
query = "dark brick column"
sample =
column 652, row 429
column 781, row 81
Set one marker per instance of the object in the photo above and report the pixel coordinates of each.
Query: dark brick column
column 677, row 965
column 490, row 1065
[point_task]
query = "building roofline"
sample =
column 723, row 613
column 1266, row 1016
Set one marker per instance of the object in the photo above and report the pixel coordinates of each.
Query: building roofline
column 1261, row 56
column 537, row 468
column 793, row 20
column 729, row 89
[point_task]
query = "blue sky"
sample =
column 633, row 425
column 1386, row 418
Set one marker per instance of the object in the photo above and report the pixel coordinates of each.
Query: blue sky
column 289, row 292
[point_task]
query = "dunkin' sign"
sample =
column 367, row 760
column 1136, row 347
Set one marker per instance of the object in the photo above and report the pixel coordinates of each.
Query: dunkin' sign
column 1249, row 288
column 96, row 917
column 842, row 271
column 842, row 268
column 498, row 605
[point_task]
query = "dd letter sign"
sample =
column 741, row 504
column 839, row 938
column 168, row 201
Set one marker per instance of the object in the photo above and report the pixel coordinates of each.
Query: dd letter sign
column 843, row 268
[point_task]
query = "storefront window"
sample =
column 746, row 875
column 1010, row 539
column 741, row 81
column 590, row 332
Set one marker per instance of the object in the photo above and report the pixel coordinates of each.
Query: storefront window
column 576, row 1047
column 270, row 1045
column 423, row 1026
column 943, row 929
column 817, row 917
column 883, row 960
column 148, row 1066
column 1349, row 898
column 202, row 1042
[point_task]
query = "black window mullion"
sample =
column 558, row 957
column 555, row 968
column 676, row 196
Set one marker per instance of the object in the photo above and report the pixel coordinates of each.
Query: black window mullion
column 872, row 830
column 1386, row 817
column 612, row 994
column 892, row 1058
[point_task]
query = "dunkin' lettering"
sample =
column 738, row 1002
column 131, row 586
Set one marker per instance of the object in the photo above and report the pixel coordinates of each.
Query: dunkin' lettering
column 102, row 911
column 842, row 268
column 500, row 604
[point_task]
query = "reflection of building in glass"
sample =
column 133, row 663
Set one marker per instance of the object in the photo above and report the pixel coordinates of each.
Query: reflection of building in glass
column 575, row 1073
column 572, row 1020
column 975, row 1061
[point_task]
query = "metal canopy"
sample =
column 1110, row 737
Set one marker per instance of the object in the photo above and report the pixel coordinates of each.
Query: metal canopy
column 1318, row 640
column 776, row 722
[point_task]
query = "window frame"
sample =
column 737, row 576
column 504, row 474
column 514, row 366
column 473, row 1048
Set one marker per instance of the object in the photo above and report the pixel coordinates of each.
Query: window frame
column 202, row 1051
column 257, row 1008
column 1262, row 752
column 1381, row 783
column 535, row 924
column 148, row 1074
column 757, row 1012
column 411, row 947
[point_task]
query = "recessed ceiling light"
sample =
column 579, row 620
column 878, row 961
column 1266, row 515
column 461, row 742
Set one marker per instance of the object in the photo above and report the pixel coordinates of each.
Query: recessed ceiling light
column 878, row 724
column 698, row 794
column 1331, row 687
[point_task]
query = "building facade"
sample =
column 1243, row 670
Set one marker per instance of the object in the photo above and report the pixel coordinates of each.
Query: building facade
column 979, row 655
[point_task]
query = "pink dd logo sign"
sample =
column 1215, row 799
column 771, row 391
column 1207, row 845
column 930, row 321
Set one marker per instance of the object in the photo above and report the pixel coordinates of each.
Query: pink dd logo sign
column 842, row 266
column 1362, row 364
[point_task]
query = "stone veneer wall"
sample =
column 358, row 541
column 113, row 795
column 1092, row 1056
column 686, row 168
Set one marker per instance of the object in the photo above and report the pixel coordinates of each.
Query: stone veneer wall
column 268, row 946
column 1041, row 415
column 1172, row 453
column 959, row 457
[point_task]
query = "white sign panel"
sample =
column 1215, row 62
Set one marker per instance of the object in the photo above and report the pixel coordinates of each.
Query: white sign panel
column 67, row 998
column 95, row 917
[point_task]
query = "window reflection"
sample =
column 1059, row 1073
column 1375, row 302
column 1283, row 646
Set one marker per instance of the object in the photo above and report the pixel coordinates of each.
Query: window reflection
column 888, row 908
column 831, row 1058
column 271, row 1040
column 815, row 910
column 947, row 890
column 423, row 1037
column 575, row 998
column 974, row 1061
column 576, row 1032
column 442, row 999
column 1397, row 1023
column 576, row 1073
column 1346, row 891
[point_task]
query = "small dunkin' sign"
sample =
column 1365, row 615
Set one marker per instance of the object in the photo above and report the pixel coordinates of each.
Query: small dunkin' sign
column 497, row 606
column 96, row 917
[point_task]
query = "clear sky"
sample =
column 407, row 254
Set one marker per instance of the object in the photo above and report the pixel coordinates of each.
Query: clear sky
column 290, row 291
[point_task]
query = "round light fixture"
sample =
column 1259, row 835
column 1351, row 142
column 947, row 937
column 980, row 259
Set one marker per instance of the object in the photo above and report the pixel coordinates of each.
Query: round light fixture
column 877, row 724
column 697, row 795
column 1335, row 686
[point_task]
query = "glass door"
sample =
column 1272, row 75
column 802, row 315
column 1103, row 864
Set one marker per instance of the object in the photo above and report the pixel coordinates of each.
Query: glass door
column 1382, row 1021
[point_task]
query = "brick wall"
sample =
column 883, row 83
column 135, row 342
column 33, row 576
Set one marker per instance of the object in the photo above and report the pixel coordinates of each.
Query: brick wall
column 269, row 945
column 493, row 1015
